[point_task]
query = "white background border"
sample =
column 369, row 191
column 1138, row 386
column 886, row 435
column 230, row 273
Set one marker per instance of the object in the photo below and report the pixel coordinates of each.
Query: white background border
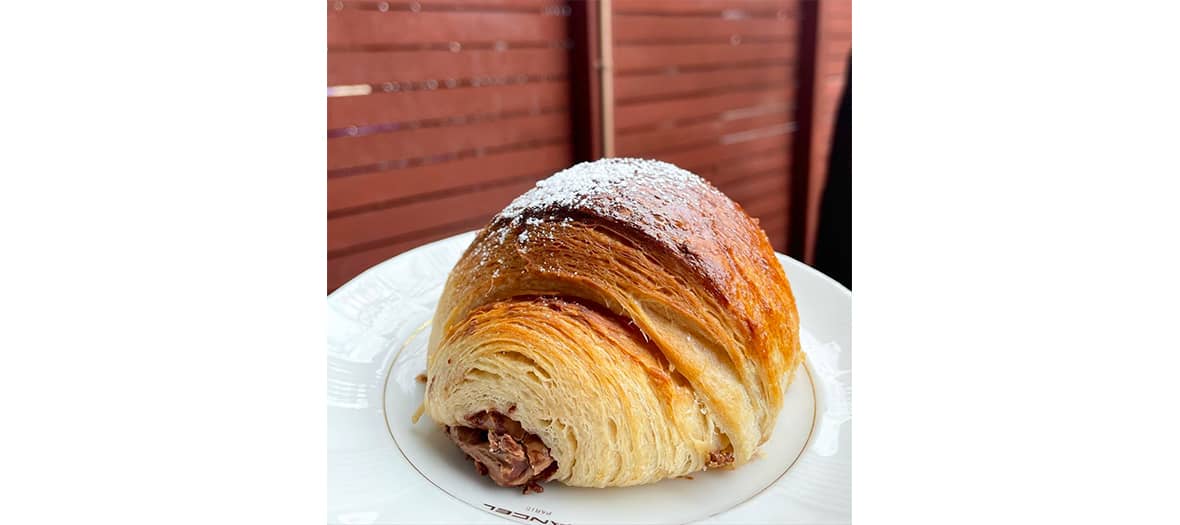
column 1015, row 224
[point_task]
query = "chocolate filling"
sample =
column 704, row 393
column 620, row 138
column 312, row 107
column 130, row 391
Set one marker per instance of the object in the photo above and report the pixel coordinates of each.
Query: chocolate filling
column 721, row 458
column 503, row 451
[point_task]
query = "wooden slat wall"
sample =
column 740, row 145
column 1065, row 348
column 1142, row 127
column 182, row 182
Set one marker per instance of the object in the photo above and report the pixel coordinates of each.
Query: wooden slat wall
column 709, row 85
column 833, row 44
column 440, row 112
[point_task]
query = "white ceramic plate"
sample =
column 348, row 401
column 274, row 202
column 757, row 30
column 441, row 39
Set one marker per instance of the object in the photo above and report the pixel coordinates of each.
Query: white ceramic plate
column 383, row 469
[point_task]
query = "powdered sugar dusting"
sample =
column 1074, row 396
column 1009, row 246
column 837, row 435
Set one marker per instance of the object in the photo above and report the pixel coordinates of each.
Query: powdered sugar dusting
column 578, row 186
column 669, row 205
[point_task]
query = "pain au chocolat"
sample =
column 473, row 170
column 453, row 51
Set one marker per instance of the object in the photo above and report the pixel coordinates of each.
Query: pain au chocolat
column 621, row 323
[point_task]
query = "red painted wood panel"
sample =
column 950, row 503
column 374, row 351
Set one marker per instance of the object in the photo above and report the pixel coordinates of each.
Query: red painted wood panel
column 348, row 193
column 755, row 185
column 356, row 233
column 766, row 205
column 637, row 115
column 440, row 156
column 378, row 67
column 440, row 112
column 662, row 56
column 444, row 103
column 344, row 152
column 710, row 85
column 532, row 6
column 641, row 28
column 341, row 269
column 727, row 170
column 631, row 89
column 699, row 156
column 350, row 28
column 696, row 7
column 695, row 135
column 775, row 227
column 774, row 223
column 733, row 164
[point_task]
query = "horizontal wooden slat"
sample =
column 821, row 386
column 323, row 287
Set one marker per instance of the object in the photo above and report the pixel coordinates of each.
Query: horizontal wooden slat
column 754, row 185
column 837, row 26
column 766, row 205
column 348, row 68
column 644, row 57
column 672, row 7
column 372, row 188
column 707, row 154
column 722, row 173
column 722, row 169
column 629, row 88
column 837, row 8
column 679, row 137
column 448, row 5
column 683, row 108
column 342, row 269
column 357, row 231
column 440, row 4
column 355, row 27
column 646, row 27
column 417, row 105
column 344, row 152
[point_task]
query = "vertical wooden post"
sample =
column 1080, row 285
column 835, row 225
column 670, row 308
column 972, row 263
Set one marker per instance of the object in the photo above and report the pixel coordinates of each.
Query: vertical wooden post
column 804, row 117
column 606, row 76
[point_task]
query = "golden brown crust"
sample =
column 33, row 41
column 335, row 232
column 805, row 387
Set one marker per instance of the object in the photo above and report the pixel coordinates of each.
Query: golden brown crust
column 654, row 264
column 667, row 206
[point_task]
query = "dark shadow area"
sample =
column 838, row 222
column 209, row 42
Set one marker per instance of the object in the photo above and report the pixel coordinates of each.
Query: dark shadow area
column 833, row 244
